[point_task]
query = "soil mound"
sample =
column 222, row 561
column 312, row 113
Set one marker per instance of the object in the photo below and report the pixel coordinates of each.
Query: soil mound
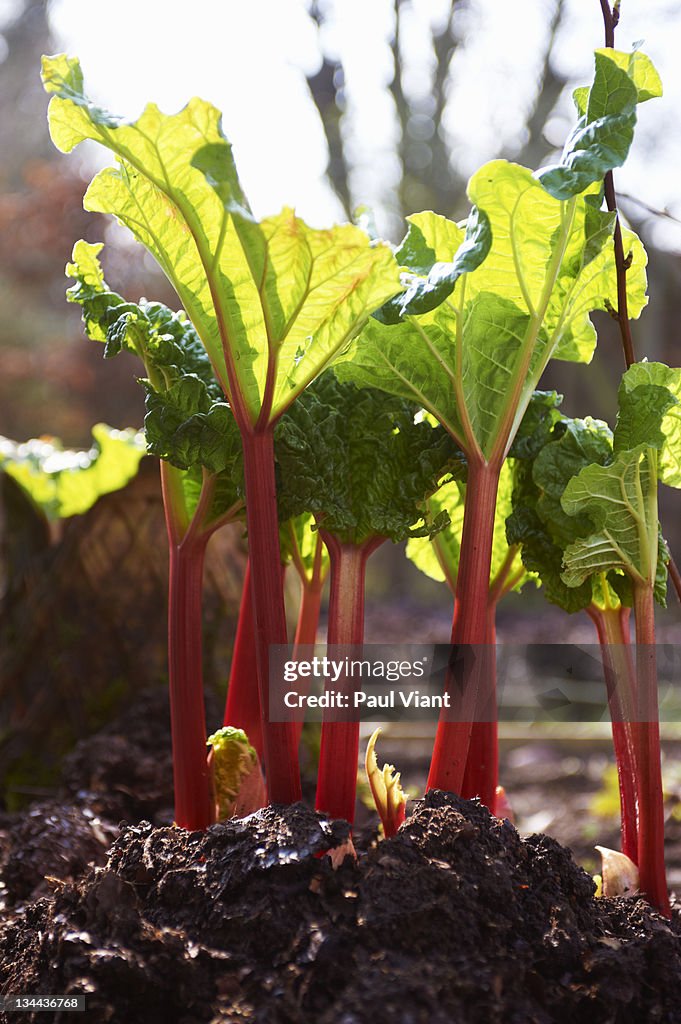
column 456, row 919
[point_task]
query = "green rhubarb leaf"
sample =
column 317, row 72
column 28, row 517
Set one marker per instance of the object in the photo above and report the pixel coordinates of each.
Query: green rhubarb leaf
column 66, row 483
column 576, row 444
column 619, row 499
column 358, row 461
column 187, row 422
column 538, row 522
column 438, row 556
column 475, row 361
column 165, row 341
column 275, row 300
column 547, row 530
column 186, row 427
column 424, row 293
column 650, row 413
column 605, row 130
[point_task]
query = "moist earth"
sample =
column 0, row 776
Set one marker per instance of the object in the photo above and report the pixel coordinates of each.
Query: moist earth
column 457, row 918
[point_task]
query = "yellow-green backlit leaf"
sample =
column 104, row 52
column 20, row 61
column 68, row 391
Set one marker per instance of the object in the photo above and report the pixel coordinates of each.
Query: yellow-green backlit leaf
column 67, row 483
column 272, row 301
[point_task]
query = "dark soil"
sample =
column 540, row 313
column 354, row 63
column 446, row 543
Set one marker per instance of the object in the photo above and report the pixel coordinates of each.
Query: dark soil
column 457, row 919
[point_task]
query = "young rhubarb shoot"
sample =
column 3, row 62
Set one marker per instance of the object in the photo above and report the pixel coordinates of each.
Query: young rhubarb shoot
column 357, row 460
column 272, row 301
column 239, row 788
column 620, row 498
column 484, row 311
column 191, row 429
column 619, row 874
column 386, row 789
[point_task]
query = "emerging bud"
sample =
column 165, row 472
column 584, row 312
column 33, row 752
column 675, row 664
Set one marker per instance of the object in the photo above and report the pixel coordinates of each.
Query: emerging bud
column 619, row 874
column 238, row 785
column 502, row 807
column 386, row 790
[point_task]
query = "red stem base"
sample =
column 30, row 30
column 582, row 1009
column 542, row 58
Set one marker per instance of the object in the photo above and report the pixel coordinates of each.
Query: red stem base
column 338, row 755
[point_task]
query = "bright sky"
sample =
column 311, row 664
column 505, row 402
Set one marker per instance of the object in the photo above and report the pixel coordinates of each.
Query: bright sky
column 250, row 60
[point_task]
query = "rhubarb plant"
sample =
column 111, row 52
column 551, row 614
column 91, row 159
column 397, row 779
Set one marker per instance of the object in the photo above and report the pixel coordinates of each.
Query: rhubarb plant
column 238, row 786
column 272, row 301
column 621, row 499
column 591, row 491
column 539, row 524
column 483, row 310
column 191, row 429
column 358, row 461
column 386, row 789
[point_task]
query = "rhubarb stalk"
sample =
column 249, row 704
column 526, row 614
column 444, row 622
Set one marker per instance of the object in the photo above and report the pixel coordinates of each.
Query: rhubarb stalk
column 471, row 627
column 338, row 755
column 280, row 744
column 612, row 626
column 242, row 708
column 187, row 547
column 647, row 732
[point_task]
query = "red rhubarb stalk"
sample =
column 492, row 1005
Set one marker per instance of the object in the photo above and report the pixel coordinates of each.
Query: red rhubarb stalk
column 647, row 731
column 470, row 626
column 308, row 614
column 280, row 743
column 187, row 547
column 612, row 626
column 338, row 756
column 481, row 776
column 310, row 602
column 242, row 708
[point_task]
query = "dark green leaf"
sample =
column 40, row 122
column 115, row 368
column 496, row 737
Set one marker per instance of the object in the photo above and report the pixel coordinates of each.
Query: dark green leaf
column 356, row 459
column 604, row 132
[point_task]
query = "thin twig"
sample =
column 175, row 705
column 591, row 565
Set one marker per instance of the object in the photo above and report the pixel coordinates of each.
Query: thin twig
column 652, row 210
column 610, row 20
column 622, row 311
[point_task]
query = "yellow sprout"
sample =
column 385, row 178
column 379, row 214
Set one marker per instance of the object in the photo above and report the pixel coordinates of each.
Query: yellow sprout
column 389, row 797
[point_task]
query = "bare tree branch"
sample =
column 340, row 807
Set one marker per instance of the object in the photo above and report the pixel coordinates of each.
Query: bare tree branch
column 324, row 88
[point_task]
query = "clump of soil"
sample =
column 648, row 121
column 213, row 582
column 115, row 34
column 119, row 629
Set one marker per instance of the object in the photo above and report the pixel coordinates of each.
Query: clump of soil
column 455, row 919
